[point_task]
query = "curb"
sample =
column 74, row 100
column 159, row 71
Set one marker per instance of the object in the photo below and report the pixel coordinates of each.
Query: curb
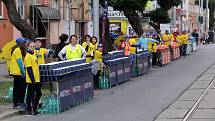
column 9, row 114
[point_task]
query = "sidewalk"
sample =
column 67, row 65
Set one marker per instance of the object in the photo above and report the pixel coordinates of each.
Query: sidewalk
column 5, row 109
column 188, row 107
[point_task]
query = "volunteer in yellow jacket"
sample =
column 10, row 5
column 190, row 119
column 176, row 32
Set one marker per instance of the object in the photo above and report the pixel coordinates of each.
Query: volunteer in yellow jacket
column 33, row 80
column 17, row 70
column 184, row 42
column 98, row 57
column 178, row 38
column 166, row 38
column 133, row 41
column 73, row 51
column 88, row 46
column 40, row 52
column 152, row 47
column 94, row 41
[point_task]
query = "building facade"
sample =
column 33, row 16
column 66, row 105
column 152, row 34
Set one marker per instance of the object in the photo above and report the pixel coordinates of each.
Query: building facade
column 5, row 26
column 49, row 18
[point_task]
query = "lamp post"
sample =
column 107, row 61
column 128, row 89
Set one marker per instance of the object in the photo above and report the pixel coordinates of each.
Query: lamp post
column 96, row 18
column 69, row 3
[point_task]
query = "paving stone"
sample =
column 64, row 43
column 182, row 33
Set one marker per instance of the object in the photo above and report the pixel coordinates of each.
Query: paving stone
column 211, row 92
column 209, row 97
column 213, row 86
column 212, row 67
column 191, row 95
column 182, row 105
column 202, row 120
column 168, row 120
column 210, row 71
column 173, row 114
column 207, row 77
column 200, row 85
column 209, row 104
column 204, row 113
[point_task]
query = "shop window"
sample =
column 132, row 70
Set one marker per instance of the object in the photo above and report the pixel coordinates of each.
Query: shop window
column 20, row 7
column 1, row 9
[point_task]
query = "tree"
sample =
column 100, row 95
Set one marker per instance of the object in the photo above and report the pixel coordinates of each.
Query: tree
column 22, row 25
column 133, row 10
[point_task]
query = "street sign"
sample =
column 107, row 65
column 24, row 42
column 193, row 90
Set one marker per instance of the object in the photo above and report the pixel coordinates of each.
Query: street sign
column 164, row 27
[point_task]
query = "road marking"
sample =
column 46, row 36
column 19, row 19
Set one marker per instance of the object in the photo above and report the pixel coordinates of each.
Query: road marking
column 195, row 106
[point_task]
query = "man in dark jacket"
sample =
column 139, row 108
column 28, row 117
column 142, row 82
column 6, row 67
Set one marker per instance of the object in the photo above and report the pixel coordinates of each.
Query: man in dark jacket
column 63, row 38
column 196, row 35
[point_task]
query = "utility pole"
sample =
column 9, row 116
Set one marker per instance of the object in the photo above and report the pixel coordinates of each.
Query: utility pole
column 69, row 11
column 96, row 18
column 174, row 18
column 207, row 16
column 202, row 11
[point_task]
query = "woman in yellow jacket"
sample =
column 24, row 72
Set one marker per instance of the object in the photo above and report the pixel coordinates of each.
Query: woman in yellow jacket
column 88, row 46
column 33, row 80
column 94, row 41
column 17, row 70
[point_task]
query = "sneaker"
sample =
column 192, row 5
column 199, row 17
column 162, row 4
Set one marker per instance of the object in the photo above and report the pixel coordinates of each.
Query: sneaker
column 96, row 92
column 17, row 108
column 29, row 114
column 35, row 113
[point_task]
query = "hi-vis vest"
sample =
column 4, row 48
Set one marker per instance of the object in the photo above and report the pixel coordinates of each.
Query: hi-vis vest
column 127, row 49
column 75, row 53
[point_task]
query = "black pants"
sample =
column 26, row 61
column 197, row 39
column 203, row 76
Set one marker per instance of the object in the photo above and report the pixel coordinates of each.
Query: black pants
column 181, row 52
column 19, row 88
column 33, row 96
column 96, row 79
column 154, row 58
column 184, row 49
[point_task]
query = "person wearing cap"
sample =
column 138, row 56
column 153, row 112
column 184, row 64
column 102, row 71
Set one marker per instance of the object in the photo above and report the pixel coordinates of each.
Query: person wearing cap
column 167, row 38
column 33, row 80
column 98, row 57
column 40, row 52
column 88, row 46
column 63, row 38
column 152, row 47
column 184, row 42
column 17, row 70
column 73, row 51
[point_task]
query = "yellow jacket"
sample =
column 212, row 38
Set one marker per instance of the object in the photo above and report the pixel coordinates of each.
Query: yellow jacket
column 184, row 39
column 98, row 57
column 89, row 52
column 132, row 42
column 167, row 39
column 152, row 46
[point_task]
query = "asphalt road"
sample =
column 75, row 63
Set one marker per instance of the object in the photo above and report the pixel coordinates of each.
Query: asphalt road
column 141, row 99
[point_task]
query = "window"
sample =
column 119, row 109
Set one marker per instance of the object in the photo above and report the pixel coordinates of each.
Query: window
column 20, row 7
column 67, row 7
column 55, row 4
column 1, row 9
